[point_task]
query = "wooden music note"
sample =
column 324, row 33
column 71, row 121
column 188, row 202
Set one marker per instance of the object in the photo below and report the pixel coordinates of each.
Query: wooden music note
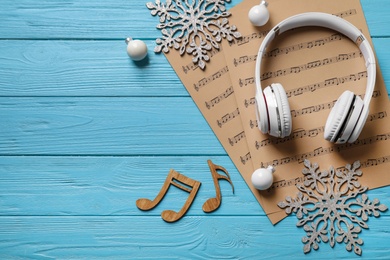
column 174, row 178
column 213, row 203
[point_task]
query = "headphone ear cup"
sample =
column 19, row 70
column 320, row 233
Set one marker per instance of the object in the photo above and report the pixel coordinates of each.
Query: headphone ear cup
column 284, row 109
column 344, row 118
column 279, row 114
column 262, row 113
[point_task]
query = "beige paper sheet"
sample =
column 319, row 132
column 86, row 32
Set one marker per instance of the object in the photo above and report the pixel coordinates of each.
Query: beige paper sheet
column 224, row 94
column 315, row 66
column 213, row 93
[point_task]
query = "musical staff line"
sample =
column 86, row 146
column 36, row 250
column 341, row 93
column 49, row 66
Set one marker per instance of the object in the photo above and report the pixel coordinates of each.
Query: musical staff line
column 204, row 81
column 316, row 86
column 286, row 50
column 246, row 158
column 313, row 109
column 249, row 102
column 228, row 117
column 192, row 66
column 323, row 106
column 320, row 151
column 243, row 82
column 302, row 133
column 363, row 164
column 326, row 83
column 371, row 162
column 237, row 138
column 346, row 13
column 311, row 65
column 298, row 133
column 248, row 38
column 211, row 103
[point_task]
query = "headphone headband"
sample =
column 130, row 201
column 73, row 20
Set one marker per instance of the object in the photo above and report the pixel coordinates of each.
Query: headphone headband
column 328, row 21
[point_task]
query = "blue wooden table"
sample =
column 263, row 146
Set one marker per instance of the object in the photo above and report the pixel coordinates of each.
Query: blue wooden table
column 85, row 132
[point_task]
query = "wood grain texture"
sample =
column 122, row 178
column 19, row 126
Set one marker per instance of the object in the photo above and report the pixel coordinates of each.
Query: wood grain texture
column 94, row 19
column 110, row 185
column 104, row 126
column 99, row 68
column 82, row 68
column 234, row 237
column 85, row 132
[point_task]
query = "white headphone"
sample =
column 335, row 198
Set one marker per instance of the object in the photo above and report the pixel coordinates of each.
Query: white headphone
column 347, row 118
column 349, row 114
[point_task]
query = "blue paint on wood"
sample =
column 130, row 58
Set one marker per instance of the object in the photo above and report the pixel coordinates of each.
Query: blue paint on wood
column 84, row 132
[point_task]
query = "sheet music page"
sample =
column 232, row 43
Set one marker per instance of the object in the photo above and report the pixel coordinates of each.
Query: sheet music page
column 314, row 65
column 212, row 91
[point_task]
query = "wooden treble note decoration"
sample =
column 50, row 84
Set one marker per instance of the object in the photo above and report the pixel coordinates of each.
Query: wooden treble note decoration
column 176, row 179
column 213, row 203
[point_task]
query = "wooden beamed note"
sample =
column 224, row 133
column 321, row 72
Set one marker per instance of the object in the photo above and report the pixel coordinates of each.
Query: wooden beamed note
column 176, row 179
column 213, row 203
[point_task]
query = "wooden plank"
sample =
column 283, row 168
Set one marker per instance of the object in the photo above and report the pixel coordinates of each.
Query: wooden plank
column 72, row 68
column 58, row 19
column 83, row 68
column 107, row 185
column 104, row 126
column 237, row 237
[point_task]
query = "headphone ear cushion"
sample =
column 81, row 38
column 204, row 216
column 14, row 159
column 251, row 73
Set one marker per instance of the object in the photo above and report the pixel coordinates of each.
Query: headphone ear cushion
column 337, row 116
column 262, row 112
column 284, row 109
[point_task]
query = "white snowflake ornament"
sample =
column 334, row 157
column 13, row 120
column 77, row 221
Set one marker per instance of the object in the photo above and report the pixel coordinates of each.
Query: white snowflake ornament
column 329, row 203
column 192, row 26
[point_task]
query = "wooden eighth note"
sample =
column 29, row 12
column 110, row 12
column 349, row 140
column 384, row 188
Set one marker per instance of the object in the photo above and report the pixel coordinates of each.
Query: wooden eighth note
column 213, row 203
column 176, row 179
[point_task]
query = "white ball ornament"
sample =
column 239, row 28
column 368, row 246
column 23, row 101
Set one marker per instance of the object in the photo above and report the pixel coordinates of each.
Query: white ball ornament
column 136, row 49
column 262, row 178
column 259, row 15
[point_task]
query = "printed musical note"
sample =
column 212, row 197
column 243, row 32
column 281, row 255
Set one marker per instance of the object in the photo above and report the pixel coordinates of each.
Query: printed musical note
column 369, row 163
column 286, row 183
column 319, row 151
column 247, row 38
column 254, row 36
column 229, row 91
column 192, row 67
column 176, row 179
column 204, row 81
column 311, row 65
column 377, row 116
column 326, row 83
column 296, row 134
column 247, row 157
column 228, row 117
column 312, row 109
column 253, row 123
column 246, row 82
column 249, row 102
column 375, row 162
column 244, row 59
column 346, row 13
column 213, row 203
column 363, row 164
column 237, row 138
column 292, row 48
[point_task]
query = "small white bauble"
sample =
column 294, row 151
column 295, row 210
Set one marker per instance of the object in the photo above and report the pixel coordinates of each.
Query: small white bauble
column 259, row 15
column 262, row 178
column 136, row 49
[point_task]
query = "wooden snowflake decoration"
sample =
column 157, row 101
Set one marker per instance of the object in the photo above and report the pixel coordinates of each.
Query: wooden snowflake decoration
column 192, row 26
column 330, row 208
